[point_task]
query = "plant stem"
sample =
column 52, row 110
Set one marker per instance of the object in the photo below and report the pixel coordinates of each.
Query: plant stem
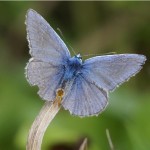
column 84, row 145
column 40, row 124
column 109, row 140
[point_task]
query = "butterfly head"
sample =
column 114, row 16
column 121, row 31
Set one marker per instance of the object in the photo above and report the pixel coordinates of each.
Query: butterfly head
column 76, row 60
column 79, row 58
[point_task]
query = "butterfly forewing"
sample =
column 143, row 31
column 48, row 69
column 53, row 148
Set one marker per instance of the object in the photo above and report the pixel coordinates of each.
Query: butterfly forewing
column 44, row 43
column 109, row 71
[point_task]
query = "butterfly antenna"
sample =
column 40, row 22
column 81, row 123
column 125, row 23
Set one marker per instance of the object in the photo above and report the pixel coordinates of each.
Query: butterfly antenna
column 65, row 41
column 60, row 32
column 90, row 55
column 110, row 53
column 72, row 50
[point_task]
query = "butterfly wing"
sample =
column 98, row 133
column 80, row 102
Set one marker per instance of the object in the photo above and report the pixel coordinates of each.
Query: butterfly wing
column 83, row 98
column 49, row 55
column 45, row 45
column 109, row 71
column 46, row 76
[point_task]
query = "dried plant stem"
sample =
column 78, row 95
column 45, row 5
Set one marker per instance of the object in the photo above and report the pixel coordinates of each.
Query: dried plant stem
column 40, row 124
column 84, row 145
column 109, row 140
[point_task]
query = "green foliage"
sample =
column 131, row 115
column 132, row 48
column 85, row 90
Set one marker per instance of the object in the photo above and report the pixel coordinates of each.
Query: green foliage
column 90, row 28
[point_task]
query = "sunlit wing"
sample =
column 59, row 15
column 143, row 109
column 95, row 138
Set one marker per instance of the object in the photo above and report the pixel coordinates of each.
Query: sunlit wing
column 109, row 71
column 83, row 98
column 45, row 45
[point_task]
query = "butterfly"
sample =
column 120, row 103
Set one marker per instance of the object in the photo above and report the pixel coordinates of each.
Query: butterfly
column 85, row 83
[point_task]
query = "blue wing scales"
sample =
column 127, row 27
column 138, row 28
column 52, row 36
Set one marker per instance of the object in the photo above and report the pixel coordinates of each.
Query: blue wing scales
column 83, row 98
column 44, row 43
column 46, row 76
column 49, row 55
column 109, row 71
column 85, row 94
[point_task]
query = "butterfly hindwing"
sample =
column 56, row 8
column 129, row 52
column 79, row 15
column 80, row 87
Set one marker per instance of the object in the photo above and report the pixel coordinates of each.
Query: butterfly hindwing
column 83, row 98
column 46, row 76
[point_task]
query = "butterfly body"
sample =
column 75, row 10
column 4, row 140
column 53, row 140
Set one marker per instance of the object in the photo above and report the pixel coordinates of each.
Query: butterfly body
column 72, row 68
column 85, row 83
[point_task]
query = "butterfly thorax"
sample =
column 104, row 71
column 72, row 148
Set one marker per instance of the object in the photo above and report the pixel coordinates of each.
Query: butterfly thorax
column 72, row 68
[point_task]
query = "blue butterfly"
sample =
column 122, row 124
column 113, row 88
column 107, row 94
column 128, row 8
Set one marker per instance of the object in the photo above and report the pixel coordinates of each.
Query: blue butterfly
column 85, row 83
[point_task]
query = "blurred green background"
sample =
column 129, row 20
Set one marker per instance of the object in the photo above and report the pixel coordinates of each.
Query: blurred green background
column 90, row 28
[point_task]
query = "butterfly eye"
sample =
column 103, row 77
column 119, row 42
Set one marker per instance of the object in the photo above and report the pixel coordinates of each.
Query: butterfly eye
column 80, row 58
